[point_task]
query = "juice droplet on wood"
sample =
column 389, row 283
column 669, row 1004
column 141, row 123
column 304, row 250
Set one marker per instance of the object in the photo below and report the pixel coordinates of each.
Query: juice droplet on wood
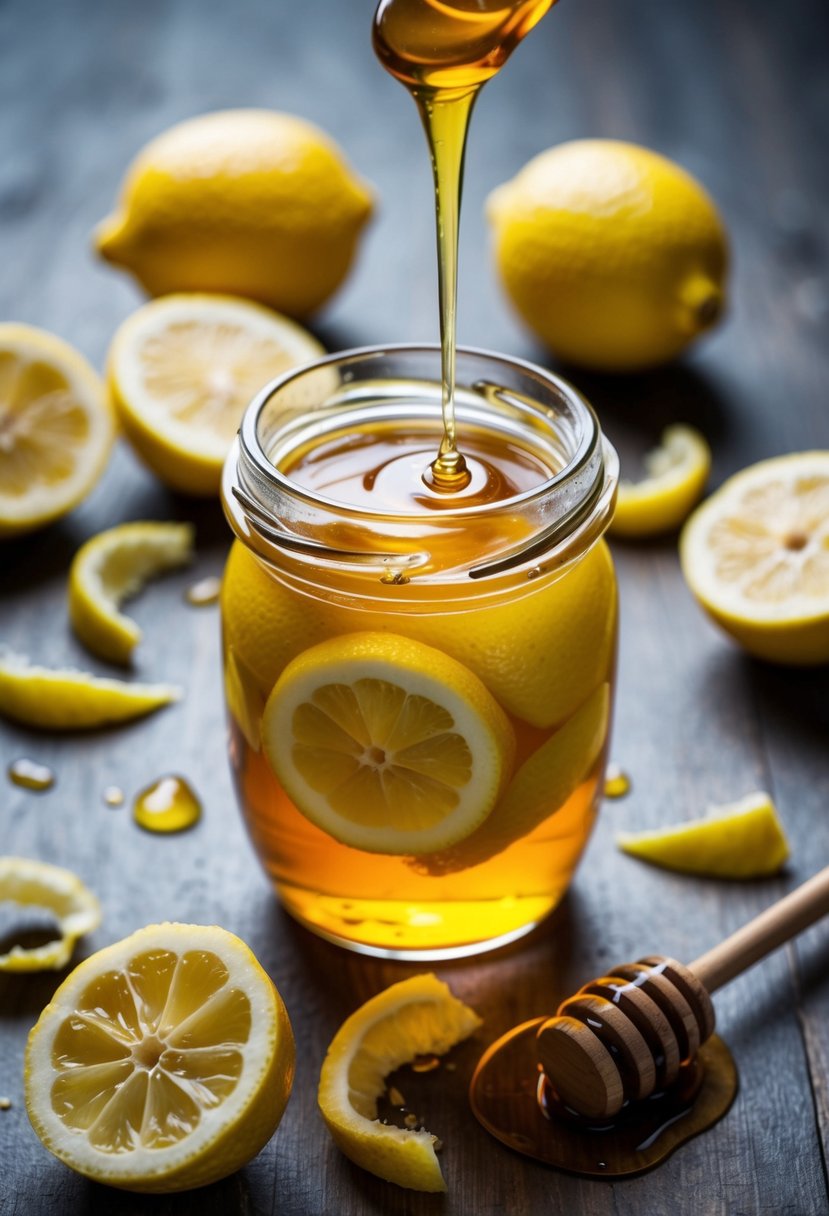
column 30, row 775
column 114, row 796
column 5, row 1103
column 616, row 782
column 205, row 591
column 168, row 805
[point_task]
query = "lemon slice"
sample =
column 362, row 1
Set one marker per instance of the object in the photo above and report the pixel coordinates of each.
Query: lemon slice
column 163, row 1062
column 114, row 566
column 418, row 1016
column 388, row 745
column 56, row 429
column 756, row 556
column 542, row 784
column 183, row 368
column 64, row 699
column 36, row 884
column 677, row 472
column 744, row 839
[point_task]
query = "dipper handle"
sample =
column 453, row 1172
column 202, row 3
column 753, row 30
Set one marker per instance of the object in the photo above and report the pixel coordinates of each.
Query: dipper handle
column 782, row 921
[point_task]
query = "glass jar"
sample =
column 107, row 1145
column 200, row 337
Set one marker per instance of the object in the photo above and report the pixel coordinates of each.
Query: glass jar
column 485, row 634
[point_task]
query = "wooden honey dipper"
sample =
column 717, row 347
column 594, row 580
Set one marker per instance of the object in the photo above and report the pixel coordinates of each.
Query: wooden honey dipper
column 624, row 1036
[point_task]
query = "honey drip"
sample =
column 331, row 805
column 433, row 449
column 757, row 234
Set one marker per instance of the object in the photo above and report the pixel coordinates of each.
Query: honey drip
column 444, row 51
column 168, row 805
column 30, row 775
column 616, row 782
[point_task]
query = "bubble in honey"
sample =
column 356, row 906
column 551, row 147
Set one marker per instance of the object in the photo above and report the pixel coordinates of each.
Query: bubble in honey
column 205, row 591
column 616, row 782
column 168, row 805
column 425, row 1063
column 114, row 796
column 30, row 775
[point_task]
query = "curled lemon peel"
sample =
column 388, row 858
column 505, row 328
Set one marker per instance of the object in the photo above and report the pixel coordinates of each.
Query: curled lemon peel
column 30, row 884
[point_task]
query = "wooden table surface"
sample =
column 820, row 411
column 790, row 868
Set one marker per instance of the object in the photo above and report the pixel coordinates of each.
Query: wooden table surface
column 738, row 93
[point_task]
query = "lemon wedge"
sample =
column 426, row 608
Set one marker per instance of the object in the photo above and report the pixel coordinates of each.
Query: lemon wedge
column 161, row 1063
column 418, row 1016
column 114, row 566
column 744, row 839
column 677, row 472
column 756, row 556
column 56, row 428
column 388, row 745
column 36, row 884
column 183, row 368
column 65, row 699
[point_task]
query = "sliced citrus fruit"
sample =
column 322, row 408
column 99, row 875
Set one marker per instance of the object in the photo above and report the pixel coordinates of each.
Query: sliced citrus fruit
column 541, row 785
column 161, row 1063
column 65, row 699
column 183, row 368
column 56, row 428
column 388, row 745
column 744, row 839
column 112, row 567
column 677, row 471
column 418, row 1016
column 36, row 884
column 756, row 556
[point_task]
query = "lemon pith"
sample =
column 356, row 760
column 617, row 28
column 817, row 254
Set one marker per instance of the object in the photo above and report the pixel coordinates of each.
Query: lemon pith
column 677, row 471
column 387, row 744
column 163, row 1062
column 756, row 556
column 414, row 1017
column 29, row 883
column 56, row 428
column 114, row 566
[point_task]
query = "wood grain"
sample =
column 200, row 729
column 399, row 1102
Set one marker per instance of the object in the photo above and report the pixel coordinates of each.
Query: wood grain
column 736, row 92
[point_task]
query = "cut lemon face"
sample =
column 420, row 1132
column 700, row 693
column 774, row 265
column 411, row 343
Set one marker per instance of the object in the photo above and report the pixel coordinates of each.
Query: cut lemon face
column 64, row 699
column 756, row 556
column 677, row 471
column 418, row 1016
column 744, row 839
column 56, row 428
column 163, row 1062
column 388, row 745
column 35, row 884
column 182, row 370
column 114, row 566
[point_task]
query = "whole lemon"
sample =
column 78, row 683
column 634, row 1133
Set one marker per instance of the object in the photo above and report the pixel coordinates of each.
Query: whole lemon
column 243, row 202
column 614, row 256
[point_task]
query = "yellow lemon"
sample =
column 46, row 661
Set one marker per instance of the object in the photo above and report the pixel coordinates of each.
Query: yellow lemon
column 744, row 839
column 183, row 369
column 388, row 745
column 163, row 1062
column 246, row 202
column 56, row 428
column 613, row 255
column 112, row 567
column 756, row 556
column 418, row 1016
column 677, row 471
column 64, row 699
column 35, row 884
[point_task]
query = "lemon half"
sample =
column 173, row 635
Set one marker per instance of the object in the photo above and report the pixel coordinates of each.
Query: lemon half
column 677, row 471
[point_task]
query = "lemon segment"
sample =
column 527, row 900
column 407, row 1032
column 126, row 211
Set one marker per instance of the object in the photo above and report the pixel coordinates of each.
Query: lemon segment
column 64, row 699
column 613, row 255
column 744, row 839
column 756, row 556
column 182, row 371
column 418, row 1016
column 56, row 428
column 388, row 745
column 163, row 1062
column 677, row 473
column 247, row 202
column 114, row 566
column 37, row 884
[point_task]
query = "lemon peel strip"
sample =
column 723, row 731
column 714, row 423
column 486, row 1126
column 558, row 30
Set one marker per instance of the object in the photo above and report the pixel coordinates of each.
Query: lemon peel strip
column 30, row 883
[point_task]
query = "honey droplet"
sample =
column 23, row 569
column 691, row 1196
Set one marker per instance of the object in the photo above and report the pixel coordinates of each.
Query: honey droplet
column 425, row 1063
column 205, row 591
column 30, row 775
column 616, row 782
column 114, row 796
column 168, row 805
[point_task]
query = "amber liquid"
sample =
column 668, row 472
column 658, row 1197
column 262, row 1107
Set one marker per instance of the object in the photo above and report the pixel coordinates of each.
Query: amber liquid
column 444, row 51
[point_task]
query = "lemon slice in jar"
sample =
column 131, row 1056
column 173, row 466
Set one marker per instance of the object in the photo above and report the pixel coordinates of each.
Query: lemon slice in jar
column 388, row 745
